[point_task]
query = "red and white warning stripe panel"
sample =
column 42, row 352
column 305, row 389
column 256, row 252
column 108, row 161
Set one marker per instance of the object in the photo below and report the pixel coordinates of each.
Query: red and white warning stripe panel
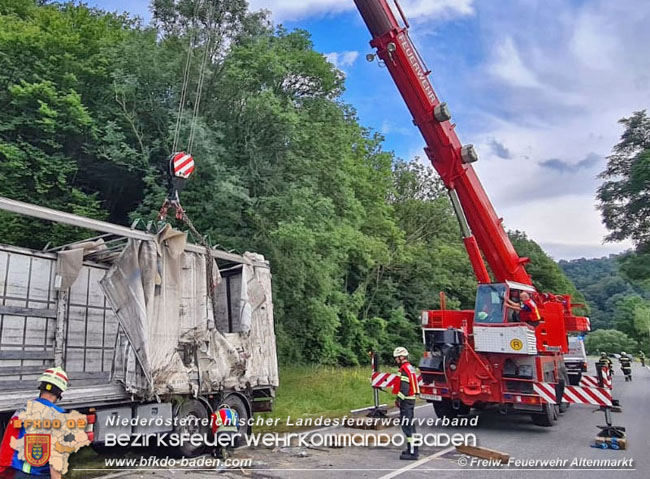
column 605, row 373
column 384, row 380
column 589, row 382
column 592, row 381
column 183, row 165
column 575, row 394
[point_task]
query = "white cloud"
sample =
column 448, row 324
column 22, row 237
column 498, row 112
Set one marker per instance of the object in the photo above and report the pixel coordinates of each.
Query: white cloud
column 556, row 78
column 341, row 60
column 417, row 9
column 509, row 68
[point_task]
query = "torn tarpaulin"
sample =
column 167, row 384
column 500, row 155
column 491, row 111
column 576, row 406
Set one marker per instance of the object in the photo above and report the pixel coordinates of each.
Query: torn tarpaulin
column 159, row 293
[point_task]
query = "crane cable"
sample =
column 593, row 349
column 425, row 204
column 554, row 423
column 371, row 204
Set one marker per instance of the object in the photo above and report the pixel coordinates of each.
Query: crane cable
column 180, row 212
column 199, row 86
column 186, row 79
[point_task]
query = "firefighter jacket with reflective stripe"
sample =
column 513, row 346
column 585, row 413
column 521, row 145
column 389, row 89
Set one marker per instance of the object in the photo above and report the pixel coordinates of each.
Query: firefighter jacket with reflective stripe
column 408, row 387
column 529, row 311
column 605, row 362
column 9, row 456
column 626, row 364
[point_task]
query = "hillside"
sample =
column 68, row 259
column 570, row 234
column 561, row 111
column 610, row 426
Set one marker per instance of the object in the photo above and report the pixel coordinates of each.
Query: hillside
column 615, row 302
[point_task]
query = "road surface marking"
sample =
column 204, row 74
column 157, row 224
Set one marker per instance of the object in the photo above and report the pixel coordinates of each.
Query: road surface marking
column 111, row 476
column 313, row 431
column 415, row 464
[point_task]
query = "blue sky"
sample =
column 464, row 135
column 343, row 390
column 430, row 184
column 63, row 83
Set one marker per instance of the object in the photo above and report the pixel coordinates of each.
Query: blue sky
column 536, row 85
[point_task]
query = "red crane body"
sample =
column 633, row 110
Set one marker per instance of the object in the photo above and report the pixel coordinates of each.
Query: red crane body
column 444, row 149
column 465, row 364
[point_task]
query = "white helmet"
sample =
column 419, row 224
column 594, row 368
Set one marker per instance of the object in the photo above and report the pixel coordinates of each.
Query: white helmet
column 400, row 352
column 54, row 377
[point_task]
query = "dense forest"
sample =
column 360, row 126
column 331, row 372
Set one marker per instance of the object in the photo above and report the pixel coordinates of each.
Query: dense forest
column 615, row 302
column 359, row 240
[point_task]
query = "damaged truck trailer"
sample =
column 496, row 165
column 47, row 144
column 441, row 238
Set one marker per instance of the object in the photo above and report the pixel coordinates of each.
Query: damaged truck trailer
column 132, row 318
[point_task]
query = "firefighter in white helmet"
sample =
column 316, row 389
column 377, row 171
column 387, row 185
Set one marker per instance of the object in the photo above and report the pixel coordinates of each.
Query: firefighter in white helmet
column 52, row 383
column 407, row 391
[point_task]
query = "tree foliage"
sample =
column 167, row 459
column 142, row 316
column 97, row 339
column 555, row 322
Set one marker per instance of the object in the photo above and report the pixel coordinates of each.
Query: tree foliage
column 615, row 302
column 624, row 196
column 610, row 341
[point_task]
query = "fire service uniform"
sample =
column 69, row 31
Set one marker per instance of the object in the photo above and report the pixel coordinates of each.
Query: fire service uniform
column 407, row 392
column 626, row 366
column 53, row 382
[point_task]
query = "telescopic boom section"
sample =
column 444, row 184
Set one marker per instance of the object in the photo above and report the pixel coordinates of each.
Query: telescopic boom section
column 448, row 156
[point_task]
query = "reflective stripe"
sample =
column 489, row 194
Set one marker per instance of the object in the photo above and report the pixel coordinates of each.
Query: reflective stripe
column 405, row 378
column 27, row 467
column 401, row 396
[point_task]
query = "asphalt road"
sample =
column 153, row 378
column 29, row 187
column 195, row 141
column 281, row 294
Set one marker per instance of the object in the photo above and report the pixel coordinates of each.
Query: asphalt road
column 568, row 440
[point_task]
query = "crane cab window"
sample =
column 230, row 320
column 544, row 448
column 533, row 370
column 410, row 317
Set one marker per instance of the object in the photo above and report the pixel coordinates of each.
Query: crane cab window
column 490, row 303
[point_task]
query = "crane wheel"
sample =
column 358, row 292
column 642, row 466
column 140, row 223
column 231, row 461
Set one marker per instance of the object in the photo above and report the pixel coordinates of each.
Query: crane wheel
column 445, row 408
column 544, row 418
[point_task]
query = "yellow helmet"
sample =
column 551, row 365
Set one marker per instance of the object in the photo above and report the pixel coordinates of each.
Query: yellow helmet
column 400, row 352
column 55, row 377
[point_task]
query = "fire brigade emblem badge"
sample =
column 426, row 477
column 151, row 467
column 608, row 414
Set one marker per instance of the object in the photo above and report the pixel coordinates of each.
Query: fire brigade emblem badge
column 516, row 344
column 37, row 449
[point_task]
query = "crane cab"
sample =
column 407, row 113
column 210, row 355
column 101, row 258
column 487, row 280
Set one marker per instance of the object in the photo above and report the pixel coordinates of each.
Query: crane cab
column 490, row 307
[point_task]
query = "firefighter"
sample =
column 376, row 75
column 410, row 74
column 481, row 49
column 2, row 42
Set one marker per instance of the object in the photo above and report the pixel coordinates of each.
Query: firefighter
column 529, row 312
column 642, row 358
column 52, row 383
column 225, row 422
column 407, row 392
column 605, row 361
column 626, row 366
column 526, row 309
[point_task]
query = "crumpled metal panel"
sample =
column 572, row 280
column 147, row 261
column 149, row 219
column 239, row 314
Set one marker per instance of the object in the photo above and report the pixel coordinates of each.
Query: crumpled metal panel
column 169, row 345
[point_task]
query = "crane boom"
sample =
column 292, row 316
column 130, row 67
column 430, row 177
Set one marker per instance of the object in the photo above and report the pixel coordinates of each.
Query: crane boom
column 481, row 227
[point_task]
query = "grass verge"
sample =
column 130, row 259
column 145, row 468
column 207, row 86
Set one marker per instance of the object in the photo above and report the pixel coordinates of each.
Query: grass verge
column 314, row 391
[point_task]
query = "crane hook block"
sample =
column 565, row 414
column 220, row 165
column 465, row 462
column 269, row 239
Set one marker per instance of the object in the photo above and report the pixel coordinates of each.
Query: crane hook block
column 441, row 112
column 181, row 165
column 468, row 154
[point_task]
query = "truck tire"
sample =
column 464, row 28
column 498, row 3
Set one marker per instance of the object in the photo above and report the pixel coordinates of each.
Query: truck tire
column 544, row 418
column 445, row 408
column 199, row 416
column 239, row 405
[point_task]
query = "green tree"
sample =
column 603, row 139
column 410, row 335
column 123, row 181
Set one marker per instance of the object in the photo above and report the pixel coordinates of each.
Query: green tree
column 624, row 196
column 610, row 341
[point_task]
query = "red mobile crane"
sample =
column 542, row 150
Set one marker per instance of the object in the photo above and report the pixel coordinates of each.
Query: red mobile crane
column 486, row 356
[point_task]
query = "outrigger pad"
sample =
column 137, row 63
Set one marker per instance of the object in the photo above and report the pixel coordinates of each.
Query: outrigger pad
column 377, row 412
column 611, row 431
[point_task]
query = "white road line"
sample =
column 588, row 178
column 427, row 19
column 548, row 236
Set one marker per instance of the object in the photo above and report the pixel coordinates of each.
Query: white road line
column 313, row 431
column 110, row 476
column 648, row 368
column 415, row 464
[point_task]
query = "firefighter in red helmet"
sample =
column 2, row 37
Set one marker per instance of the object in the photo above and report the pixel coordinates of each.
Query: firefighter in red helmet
column 52, row 383
column 407, row 392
